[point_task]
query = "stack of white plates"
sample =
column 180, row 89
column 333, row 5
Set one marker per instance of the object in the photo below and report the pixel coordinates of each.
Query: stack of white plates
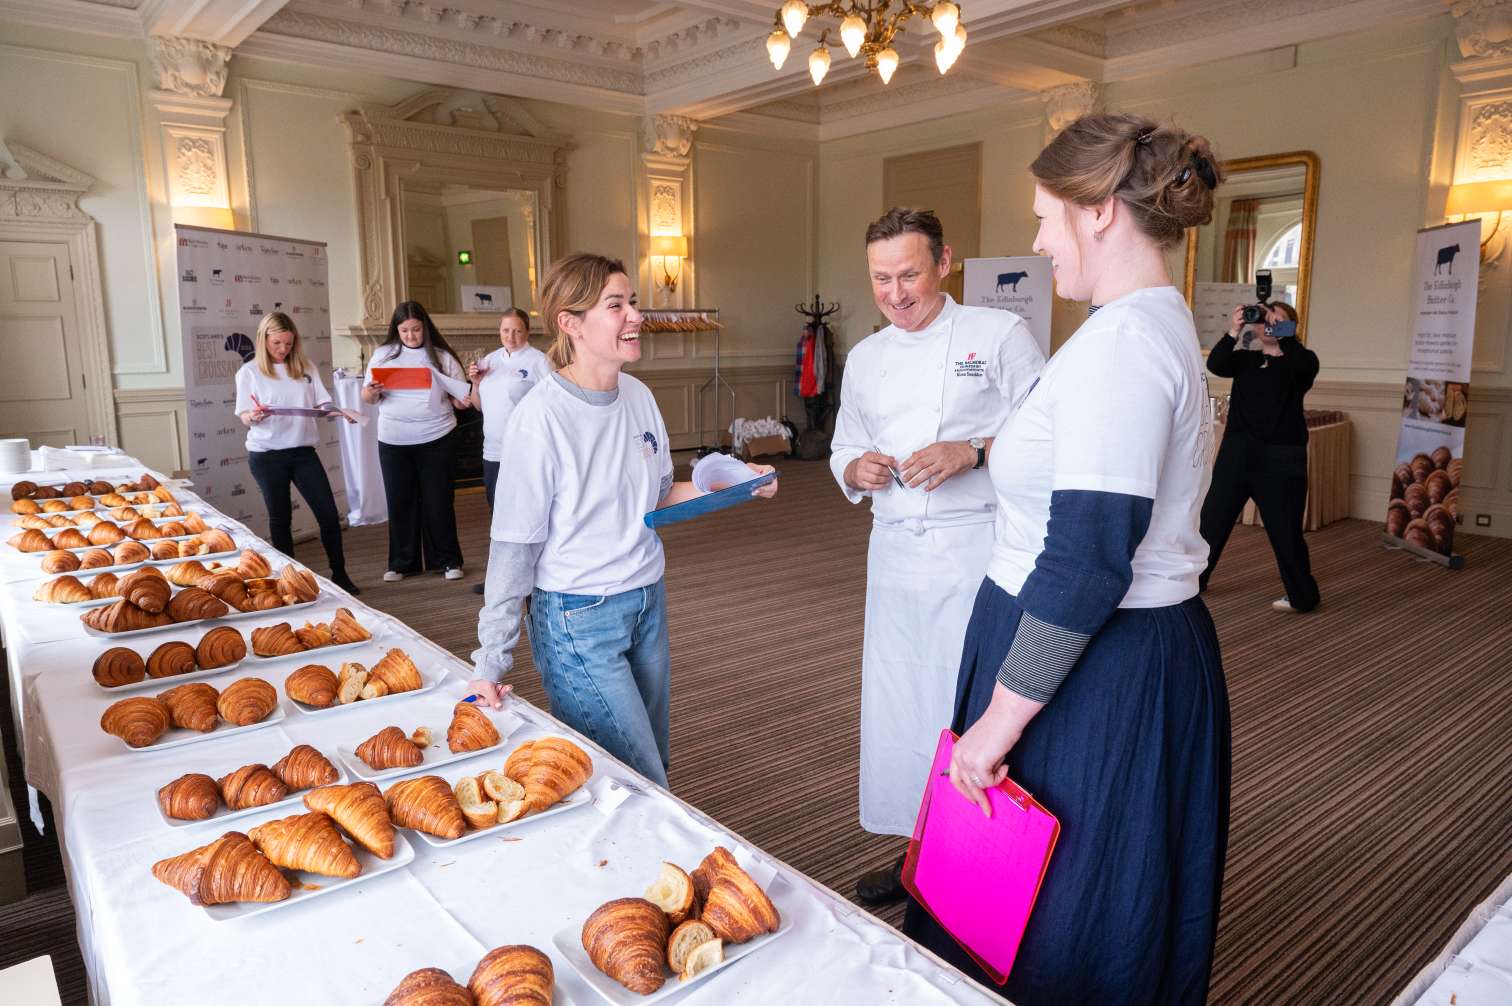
column 15, row 455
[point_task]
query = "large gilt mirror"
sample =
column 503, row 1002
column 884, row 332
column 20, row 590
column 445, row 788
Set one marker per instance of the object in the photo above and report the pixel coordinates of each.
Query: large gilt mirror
column 1264, row 219
column 468, row 249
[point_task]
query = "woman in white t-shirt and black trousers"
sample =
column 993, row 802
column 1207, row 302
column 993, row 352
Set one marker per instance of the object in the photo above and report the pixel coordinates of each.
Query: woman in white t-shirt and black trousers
column 281, row 449
column 416, row 447
column 499, row 381
column 587, row 457
column 1090, row 661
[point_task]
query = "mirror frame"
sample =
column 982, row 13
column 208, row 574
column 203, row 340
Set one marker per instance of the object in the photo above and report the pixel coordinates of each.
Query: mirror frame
column 1312, row 167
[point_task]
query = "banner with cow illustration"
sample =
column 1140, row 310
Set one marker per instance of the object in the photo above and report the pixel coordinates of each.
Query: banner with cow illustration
column 1424, row 506
column 227, row 281
column 1021, row 284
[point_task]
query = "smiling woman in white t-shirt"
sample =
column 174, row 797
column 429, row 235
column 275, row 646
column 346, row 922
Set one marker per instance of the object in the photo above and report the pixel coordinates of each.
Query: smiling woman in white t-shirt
column 587, row 457
column 416, row 448
column 281, row 449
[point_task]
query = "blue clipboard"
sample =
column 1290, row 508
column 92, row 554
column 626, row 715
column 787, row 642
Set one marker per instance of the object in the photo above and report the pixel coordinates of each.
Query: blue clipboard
column 707, row 503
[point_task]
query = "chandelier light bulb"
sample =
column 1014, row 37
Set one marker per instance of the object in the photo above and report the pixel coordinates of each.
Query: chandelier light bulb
column 819, row 61
column 853, row 33
column 778, row 47
column 957, row 38
column 794, row 13
column 945, row 17
column 945, row 56
column 887, row 63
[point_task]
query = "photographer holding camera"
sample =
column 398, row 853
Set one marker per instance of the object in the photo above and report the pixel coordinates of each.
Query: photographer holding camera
column 1264, row 451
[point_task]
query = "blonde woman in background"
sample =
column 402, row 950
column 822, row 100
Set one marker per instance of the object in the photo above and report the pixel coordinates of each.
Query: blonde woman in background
column 281, row 449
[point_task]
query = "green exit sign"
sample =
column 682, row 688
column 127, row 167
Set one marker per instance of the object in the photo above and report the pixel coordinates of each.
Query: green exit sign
column 464, row 257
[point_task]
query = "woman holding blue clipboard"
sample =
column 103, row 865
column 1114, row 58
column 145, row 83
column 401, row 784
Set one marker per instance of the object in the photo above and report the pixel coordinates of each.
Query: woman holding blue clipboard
column 588, row 453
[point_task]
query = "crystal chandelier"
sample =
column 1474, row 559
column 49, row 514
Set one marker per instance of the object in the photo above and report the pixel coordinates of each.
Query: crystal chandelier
column 867, row 30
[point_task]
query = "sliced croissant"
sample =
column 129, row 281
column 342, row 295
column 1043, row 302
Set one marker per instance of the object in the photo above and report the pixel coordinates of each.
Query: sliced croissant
column 479, row 811
column 306, row 842
column 192, row 706
column 513, row 976
column 313, row 685
column 217, row 541
column 247, row 701
column 470, row 729
column 222, row 646
column 194, row 524
column 305, row 768
column 170, row 659
column 119, row 666
column 229, row 869
column 426, row 803
column 389, row 748
column 685, row 940
column 350, row 683
column 139, row 721
column 625, row 939
column 359, row 808
column 672, row 893
column 252, row 786
column 192, row 797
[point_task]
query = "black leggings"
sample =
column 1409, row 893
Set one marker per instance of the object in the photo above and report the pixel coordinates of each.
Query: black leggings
column 274, row 471
column 417, row 483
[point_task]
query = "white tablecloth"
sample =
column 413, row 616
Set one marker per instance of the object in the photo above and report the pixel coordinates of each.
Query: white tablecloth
column 359, row 455
column 1475, row 969
column 144, row 943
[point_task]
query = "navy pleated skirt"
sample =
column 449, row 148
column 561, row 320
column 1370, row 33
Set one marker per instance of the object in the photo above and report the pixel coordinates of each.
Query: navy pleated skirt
column 1132, row 756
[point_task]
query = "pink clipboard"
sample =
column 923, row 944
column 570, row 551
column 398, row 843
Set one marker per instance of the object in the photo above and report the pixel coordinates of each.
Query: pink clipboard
column 979, row 876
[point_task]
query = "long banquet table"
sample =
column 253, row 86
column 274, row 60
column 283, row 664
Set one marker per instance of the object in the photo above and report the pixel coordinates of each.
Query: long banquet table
column 144, row 943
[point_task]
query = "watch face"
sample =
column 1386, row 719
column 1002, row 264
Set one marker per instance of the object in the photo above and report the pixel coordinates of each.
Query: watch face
column 977, row 442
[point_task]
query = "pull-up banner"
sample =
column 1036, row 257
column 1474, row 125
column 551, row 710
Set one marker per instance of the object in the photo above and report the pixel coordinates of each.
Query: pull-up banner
column 1424, row 506
column 1020, row 283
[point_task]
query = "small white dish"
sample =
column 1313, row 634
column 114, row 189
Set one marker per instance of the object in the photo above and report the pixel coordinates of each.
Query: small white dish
column 176, row 737
column 315, row 656
column 428, row 680
column 314, row 885
column 293, row 803
column 171, row 626
column 431, row 758
column 168, row 682
column 578, row 798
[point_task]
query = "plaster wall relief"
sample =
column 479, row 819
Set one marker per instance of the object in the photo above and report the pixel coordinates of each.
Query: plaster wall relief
column 667, row 158
column 191, row 74
column 1066, row 103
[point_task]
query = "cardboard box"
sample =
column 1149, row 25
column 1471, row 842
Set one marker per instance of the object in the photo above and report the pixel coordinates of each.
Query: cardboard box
column 762, row 446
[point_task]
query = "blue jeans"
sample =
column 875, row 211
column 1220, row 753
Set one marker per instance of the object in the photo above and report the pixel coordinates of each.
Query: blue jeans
column 607, row 668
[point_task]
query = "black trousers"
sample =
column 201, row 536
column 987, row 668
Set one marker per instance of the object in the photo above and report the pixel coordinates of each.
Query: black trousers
column 417, row 483
column 1275, row 477
column 274, row 472
column 490, row 480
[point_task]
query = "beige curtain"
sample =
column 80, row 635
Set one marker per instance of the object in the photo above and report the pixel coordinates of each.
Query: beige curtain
column 1239, row 241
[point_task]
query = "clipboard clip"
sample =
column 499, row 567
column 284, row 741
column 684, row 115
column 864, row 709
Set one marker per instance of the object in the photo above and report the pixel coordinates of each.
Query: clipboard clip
column 1016, row 794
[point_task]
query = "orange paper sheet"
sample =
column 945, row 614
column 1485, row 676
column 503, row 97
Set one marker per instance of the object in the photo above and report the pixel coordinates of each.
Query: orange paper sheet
column 403, row 378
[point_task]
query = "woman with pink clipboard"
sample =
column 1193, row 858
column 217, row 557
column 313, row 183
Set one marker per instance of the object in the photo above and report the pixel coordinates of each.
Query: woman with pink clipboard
column 1090, row 662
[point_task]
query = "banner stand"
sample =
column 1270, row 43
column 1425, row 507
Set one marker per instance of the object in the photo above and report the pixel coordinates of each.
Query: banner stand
column 1455, row 561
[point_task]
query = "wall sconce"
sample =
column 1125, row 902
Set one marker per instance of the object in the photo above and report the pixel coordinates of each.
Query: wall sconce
column 1475, row 198
column 671, row 249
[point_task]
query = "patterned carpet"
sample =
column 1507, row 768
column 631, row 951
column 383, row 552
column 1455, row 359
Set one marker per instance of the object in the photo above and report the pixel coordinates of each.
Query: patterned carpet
column 1371, row 808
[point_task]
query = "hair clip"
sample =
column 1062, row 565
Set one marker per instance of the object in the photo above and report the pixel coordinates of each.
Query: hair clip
column 1205, row 171
column 1145, row 136
column 1186, row 173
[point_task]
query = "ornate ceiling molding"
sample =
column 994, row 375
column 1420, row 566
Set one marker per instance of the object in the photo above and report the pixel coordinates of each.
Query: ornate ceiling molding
column 190, row 67
column 668, row 135
column 1069, row 102
column 1483, row 27
column 707, row 63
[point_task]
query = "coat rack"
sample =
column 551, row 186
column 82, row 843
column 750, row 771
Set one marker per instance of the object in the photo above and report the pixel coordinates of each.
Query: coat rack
column 817, row 407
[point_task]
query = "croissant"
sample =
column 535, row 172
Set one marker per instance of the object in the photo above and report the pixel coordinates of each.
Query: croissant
column 429, row 987
column 252, row 565
column 247, row 701
column 220, row 647
column 123, row 616
column 478, row 811
column 307, row 842
column 684, row 948
column 60, row 561
column 30, row 540
column 252, row 786
column 229, row 869
column 94, row 558
column 217, row 541
column 549, row 769
column 376, row 689
column 104, row 585
column 147, row 589
column 46, row 493
column 25, row 506
column 172, row 529
column 170, row 659
column 128, row 552
column 426, row 803
column 186, row 574
column 313, row 685
column 142, row 529
column 105, row 533
column 275, row 641
column 513, row 976
column 35, row 522
column 73, row 488
column 195, row 524
column 173, row 510
column 625, row 939
column 351, row 682
column 470, row 729
column 190, row 547
column 359, row 808
column 263, row 600
column 112, row 499
column 389, row 748
column 346, row 629
column 673, row 893
column 69, row 538
column 194, row 605
column 191, row 797
column 305, row 768
column 164, row 549
column 139, row 721
column 397, row 671
column 63, row 590
column 297, row 586
column 262, row 585
column 125, row 513
column 58, row 520
column 191, row 706
column 78, row 501
column 224, row 584
column 119, row 666
column 313, row 636
column 735, row 907
column 55, row 506
column 23, row 489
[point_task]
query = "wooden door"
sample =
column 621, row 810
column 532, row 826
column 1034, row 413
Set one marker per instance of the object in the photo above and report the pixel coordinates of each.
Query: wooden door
column 491, row 253
column 42, row 383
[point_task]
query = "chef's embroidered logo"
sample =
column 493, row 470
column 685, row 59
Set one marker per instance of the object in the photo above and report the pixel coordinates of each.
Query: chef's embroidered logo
column 647, row 443
column 523, row 373
column 971, row 367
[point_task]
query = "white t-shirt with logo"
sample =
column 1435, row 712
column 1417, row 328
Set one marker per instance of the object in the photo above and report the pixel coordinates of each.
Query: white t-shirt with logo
column 415, row 416
column 277, row 433
column 1122, row 407
column 583, row 477
column 509, row 377
column 954, row 380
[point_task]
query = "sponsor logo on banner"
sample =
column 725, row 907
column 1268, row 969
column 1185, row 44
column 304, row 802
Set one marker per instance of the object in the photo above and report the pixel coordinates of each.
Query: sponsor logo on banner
column 218, row 277
column 246, row 278
column 189, row 277
column 185, row 242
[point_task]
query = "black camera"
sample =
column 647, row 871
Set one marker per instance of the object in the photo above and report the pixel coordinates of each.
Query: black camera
column 1254, row 314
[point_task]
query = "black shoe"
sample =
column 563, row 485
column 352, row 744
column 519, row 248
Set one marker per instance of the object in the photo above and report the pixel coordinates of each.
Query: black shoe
column 881, row 887
column 340, row 579
column 477, row 588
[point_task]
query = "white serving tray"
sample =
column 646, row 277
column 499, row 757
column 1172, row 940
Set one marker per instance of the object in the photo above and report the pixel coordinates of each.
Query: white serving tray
column 168, row 682
column 313, row 885
column 315, row 656
column 569, row 944
column 428, row 680
column 574, row 800
column 229, row 616
column 176, row 737
column 147, row 562
column 293, row 803
column 149, row 542
column 433, row 757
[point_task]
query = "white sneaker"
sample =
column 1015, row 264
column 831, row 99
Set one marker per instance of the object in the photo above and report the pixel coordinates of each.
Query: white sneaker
column 1283, row 605
column 454, row 573
column 391, row 577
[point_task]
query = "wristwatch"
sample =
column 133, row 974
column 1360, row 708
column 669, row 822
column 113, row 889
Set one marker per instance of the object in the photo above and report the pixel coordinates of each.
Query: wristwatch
column 981, row 449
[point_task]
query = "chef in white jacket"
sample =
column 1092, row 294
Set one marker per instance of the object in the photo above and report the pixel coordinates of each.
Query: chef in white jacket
column 920, row 403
